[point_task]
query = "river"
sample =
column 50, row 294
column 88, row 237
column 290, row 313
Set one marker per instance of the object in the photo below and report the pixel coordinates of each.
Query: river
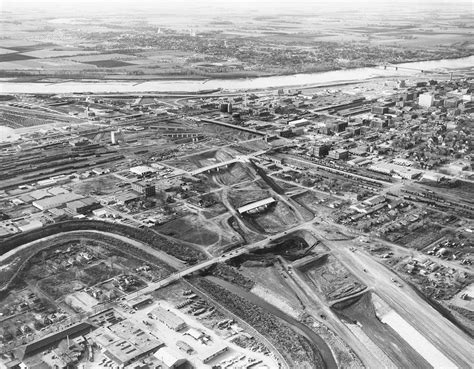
column 300, row 328
column 357, row 74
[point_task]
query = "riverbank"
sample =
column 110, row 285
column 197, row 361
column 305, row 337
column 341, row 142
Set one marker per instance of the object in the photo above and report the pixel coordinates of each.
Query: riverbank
column 48, row 78
column 404, row 70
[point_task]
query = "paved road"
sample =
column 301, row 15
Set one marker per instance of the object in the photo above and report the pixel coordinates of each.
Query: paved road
column 444, row 335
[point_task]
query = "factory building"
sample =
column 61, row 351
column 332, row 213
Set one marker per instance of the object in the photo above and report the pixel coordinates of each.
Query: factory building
column 56, row 201
column 426, row 100
column 320, row 150
column 169, row 358
column 83, row 206
column 339, row 154
column 144, row 188
column 124, row 343
column 52, row 339
column 168, row 318
column 338, row 126
column 142, row 170
column 126, row 197
column 213, row 353
column 226, row 108
column 379, row 110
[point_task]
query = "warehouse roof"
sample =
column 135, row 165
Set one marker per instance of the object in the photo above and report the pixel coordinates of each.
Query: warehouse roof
column 124, row 342
column 42, row 343
column 169, row 318
column 55, row 201
column 142, row 169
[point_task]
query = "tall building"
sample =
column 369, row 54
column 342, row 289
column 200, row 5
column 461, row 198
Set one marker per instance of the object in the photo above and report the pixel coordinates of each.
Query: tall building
column 320, row 150
column 143, row 188
column 339, row 154
column 426, row 100
column 113, row 139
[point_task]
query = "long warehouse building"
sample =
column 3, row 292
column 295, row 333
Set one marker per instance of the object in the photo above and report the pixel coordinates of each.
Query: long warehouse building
column 56, row 201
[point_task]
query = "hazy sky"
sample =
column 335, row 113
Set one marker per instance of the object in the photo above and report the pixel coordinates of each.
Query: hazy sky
column 271, row 6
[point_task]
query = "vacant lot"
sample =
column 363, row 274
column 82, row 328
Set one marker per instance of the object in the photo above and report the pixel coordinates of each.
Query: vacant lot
column 275, row 218
column 235, row 173
column 191, row 229
column 331, row 278
column 61, row 284
column 102, row 185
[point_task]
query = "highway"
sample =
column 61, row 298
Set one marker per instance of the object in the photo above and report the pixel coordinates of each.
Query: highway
column 444, row 335
column 424, row 318
column 378, row 278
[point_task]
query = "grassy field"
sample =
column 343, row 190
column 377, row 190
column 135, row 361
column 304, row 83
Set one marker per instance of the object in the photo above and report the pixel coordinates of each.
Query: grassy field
column 190, row 229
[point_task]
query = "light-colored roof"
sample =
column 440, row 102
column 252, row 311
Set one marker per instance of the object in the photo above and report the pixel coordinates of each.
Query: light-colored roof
column 168, row 317
column 142, row 169
column 211, row 352
column 124, row 342
column 168, row 356
column 54, row 201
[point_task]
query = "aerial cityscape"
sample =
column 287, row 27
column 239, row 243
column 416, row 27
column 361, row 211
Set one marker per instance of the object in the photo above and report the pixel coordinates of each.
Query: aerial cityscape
column 236, row 184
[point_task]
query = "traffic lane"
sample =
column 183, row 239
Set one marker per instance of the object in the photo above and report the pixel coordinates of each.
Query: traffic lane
column 410, row 305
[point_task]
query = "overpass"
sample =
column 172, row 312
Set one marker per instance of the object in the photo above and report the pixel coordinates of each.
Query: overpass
column 212, row 167
column 216, row 166
column 397, row 67
column 240, row 128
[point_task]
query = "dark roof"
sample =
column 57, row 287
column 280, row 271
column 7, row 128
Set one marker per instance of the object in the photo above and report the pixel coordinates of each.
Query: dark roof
column 38, row 345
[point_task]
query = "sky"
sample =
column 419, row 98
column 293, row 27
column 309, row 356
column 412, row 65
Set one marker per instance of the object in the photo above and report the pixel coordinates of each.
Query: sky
column 271, row 6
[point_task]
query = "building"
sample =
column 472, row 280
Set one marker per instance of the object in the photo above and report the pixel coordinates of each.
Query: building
column 355, row 130
column 183, row 346
column 379, row 110
column 168, row 318
column 426, row 100
column 395, row 170
column 226, row 108
column 56, row 201
column 299, row 123
column 144, row 188
column 113, row 138
column 124, row 343
column 169, row 358
column 338, row 127
column 139, row 301
column 83, row 206
column 142, row 170
column 339, row 154
column 26, row 225
column 50, row 340
column 126, row 197
column 320, row 150
column 213, row 352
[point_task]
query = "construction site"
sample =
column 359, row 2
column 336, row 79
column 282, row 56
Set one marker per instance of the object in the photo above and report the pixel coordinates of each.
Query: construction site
column 312, row 226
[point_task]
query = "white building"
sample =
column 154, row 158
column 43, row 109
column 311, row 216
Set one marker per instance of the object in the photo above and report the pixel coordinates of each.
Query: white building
column 426, row 100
